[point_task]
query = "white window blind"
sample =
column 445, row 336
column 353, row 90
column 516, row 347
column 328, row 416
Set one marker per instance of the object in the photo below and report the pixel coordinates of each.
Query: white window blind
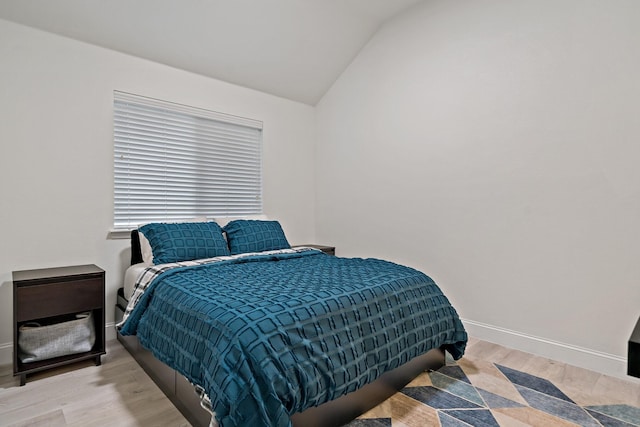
column 174, row 162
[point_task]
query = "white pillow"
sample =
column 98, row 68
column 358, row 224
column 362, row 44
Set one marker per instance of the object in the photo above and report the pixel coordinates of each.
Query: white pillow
column 145, row 246
column 145, row 249
column 227, row 219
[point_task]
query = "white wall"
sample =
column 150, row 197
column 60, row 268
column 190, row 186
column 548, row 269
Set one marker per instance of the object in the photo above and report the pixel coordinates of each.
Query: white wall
column 56, row 164
column 495, row 146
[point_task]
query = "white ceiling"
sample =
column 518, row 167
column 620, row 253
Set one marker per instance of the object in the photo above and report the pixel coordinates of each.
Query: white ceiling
column 295, row 49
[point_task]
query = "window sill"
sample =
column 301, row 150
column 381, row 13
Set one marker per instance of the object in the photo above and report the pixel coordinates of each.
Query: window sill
column 119, row 234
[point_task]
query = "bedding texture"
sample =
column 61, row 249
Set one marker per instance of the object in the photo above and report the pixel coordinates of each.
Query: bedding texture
column 175, row 242
column 145, row 246
column 271, row 334
column 255, row 236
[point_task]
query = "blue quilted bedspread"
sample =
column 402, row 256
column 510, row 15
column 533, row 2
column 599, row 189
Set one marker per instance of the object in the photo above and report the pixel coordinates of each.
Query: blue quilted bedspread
column 269, row 336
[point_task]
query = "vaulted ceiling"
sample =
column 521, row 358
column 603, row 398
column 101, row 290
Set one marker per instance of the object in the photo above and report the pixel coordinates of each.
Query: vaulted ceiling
column 295, row 49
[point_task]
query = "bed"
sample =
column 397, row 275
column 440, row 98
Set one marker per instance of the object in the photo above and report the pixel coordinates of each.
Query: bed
column 273, row 335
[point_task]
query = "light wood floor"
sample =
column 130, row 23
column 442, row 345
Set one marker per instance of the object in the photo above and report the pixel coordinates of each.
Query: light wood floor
column 119, row 393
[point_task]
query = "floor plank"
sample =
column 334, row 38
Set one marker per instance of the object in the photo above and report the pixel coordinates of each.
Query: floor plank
column 120, row 393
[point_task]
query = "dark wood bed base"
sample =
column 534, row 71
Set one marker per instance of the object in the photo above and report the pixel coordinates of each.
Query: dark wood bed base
column 335, row 413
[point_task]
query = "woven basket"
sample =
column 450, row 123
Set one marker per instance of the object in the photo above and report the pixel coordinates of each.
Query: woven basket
column 37, row 342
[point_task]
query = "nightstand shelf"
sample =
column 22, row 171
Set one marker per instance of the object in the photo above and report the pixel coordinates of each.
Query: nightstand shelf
column 46, row 295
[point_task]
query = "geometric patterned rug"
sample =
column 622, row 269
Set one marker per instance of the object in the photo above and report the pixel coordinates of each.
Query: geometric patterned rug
column 448, row 398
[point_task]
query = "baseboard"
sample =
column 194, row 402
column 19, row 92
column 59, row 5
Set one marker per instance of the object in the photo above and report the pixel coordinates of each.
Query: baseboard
column 110, row 331
column 594, row 360
column 6, row 349
column 6, row 354
column 605, row 363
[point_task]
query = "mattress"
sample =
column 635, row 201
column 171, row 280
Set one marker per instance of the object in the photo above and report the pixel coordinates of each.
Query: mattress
column 130, row 277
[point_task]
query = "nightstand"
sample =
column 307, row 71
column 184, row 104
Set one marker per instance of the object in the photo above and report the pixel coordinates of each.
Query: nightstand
column 329, row 250
column 52, row 296
column 633, row 361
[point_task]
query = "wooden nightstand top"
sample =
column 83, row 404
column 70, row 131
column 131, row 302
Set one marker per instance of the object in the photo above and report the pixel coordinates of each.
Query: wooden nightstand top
column 331, row 250
column 55, row 272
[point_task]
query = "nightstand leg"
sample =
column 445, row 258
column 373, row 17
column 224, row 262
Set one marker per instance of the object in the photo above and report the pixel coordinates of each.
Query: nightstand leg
column 23, row 379
column 98, row 362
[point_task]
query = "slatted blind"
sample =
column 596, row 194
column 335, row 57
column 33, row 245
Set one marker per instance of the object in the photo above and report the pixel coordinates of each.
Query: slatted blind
column 174, row 162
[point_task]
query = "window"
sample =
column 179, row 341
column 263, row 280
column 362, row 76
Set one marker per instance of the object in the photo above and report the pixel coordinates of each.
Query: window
column 174, row 162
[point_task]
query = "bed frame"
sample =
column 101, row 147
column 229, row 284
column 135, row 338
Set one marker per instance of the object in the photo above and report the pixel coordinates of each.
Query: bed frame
column 335, row 413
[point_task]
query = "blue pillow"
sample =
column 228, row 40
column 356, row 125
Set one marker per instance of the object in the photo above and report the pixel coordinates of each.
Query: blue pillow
column 246, row 235
column 184, row 241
